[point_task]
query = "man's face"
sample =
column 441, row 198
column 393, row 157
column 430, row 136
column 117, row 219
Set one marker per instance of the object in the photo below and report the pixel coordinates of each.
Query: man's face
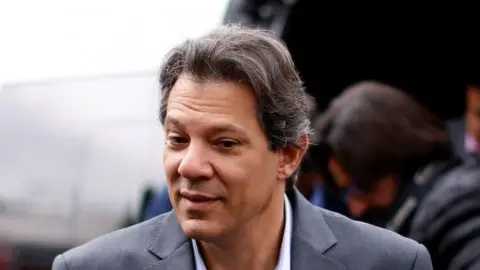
column 220, row 172
column 473, row 112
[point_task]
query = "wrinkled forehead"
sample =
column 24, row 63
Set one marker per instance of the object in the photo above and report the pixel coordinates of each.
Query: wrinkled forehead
column 211, row 103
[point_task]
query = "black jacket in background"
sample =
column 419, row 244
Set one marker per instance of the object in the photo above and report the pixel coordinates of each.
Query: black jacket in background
column 447, row 220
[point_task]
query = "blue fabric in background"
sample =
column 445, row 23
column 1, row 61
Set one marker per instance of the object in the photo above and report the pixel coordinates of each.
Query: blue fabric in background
column 159, row 204
column 322, row 198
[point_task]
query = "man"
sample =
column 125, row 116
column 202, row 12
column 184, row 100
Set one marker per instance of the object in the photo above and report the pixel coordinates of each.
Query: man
column 473, row 119
column 465, row 131
column 393, row 163
column 236, row 123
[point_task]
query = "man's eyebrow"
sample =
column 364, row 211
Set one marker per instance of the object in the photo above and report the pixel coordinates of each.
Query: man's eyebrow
column 225, row 127
column 169, row 121
column 215, row 128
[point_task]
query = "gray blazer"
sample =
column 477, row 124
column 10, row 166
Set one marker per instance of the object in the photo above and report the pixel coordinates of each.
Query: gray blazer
column 321, row 240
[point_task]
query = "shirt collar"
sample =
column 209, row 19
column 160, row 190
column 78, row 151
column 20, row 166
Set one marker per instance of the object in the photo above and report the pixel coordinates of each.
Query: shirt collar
column 284, row 260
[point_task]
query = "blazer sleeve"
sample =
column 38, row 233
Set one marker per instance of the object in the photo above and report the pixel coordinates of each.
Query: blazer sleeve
column 422, row 260
column 59, row 263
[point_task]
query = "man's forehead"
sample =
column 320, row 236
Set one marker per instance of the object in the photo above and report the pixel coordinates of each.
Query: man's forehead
column 221, row 98
column 212, row 89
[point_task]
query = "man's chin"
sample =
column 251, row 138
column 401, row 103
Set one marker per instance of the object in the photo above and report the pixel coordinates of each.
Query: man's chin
column 202, row 230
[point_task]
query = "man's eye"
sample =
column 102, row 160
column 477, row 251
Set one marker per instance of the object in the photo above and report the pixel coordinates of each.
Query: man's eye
column 175, row 140
column 226, row 144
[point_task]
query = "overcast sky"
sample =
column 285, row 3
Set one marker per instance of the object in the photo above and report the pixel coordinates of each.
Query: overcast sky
column 45, row 129
column 67, row 38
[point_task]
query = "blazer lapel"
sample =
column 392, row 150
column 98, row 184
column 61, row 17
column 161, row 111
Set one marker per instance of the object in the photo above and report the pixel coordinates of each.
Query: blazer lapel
column 181, row 259
column 311, row 238
column 172, row 247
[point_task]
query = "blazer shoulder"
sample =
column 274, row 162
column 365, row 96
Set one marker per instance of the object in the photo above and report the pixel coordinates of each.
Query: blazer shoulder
column 368, row 241
column 122, row 249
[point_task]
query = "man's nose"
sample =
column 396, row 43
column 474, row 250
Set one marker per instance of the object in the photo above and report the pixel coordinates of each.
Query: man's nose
column 195, row 164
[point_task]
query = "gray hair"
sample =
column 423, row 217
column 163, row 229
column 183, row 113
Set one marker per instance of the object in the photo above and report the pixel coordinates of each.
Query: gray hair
column 253, row 57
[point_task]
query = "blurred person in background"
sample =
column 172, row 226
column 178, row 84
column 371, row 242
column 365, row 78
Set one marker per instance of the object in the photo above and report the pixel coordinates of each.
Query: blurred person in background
column 236, row 122
column 159, row 204
column 312, row 185
column 465, row 131
column 147, row 196
column 392, row 162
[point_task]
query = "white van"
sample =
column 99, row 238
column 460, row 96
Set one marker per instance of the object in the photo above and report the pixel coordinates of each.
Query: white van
column 76, row 155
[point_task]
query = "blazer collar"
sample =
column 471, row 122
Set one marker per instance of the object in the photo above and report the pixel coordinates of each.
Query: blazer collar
column 311, row 239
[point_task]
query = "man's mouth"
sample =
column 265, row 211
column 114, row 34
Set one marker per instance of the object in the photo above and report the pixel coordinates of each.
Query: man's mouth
column 197, row 197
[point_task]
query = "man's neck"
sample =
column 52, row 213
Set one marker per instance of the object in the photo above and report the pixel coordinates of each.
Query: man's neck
column 257, row 246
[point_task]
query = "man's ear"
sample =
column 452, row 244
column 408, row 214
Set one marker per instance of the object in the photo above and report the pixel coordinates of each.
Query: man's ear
column 291, row 156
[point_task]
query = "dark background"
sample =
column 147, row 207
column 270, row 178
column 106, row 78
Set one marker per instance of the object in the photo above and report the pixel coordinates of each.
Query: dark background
column 426, row 48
